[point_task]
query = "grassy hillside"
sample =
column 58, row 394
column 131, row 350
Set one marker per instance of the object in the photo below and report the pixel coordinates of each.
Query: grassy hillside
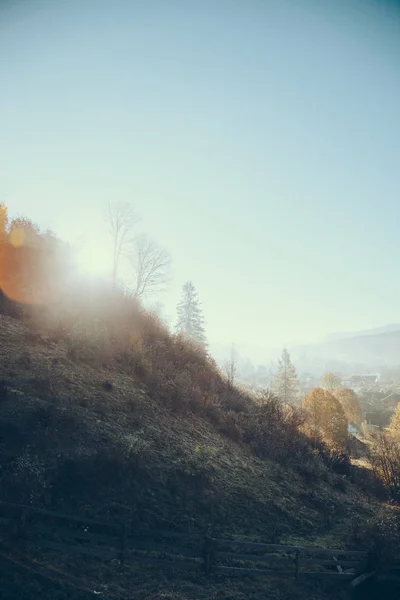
column 83, row 432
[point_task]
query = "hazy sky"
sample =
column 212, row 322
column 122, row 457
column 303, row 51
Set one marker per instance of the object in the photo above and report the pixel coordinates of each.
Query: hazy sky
column 258, row 139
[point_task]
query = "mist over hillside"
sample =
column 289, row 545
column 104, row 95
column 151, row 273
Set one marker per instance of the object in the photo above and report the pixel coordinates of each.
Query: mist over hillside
column 365, row 351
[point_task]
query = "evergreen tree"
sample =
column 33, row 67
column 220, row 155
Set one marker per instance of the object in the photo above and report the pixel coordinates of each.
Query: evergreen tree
column 285, row 382
column 190, row 318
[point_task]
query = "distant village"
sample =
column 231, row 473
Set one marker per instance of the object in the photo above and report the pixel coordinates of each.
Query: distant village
column 378, row 393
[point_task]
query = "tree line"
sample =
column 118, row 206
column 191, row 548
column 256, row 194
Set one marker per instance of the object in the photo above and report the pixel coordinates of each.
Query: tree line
column 36, row 267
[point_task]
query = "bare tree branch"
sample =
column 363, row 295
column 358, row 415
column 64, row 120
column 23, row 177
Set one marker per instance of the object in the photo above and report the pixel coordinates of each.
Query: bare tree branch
column 151, row 267
column 121, row 221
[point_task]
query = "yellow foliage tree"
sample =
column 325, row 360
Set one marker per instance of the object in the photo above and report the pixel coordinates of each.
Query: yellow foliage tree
column 325, row 417
column 395, row 424
column 330, row 381
column 349, row 401
column 3, row 221
column 34, row 267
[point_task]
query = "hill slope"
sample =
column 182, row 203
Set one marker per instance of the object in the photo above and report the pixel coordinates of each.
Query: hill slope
column 95, row 441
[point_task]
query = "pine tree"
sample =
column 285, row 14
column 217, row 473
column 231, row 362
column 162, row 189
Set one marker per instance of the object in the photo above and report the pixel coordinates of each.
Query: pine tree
column 190, row 317
column 285, row 382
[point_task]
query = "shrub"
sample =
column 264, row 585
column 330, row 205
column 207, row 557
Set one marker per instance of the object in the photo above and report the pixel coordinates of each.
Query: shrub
column 228, row 425
column 335, row 459
column 366, row 479
column 25, row 479
column 385, row 458
column 311, row 466
column 233, row 400
column 272, row 430
column 381, row 535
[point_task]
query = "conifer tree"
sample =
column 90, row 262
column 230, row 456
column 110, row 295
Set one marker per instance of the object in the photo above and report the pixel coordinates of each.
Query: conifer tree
column 285, row 382
column 190, row 317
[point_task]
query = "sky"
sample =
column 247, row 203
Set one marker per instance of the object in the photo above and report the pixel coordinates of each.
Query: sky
column 258, row 140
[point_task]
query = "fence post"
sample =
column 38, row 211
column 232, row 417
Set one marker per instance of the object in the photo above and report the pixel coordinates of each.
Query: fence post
column 208, row 551
column 122, row 546
column 297, row 564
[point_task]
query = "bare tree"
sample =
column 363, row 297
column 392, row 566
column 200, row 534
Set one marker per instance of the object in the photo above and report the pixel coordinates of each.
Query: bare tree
column 151, row 267
column 121, row 221
column 231, row 366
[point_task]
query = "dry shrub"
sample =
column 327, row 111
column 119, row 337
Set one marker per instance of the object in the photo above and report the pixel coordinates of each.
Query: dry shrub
column 24, row 480
column 336, row 459
column 380, row 535
column 367, row 480
column 385, row 458
column 229, row 426
column 271, row 429
column 311, row 466
column 235, row 401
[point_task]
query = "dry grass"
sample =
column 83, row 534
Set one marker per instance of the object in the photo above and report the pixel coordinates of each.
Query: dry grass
column 135, row 424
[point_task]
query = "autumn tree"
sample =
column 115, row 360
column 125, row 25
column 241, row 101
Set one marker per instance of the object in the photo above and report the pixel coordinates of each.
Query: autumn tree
column 34, row 266
column 385, row 458
column 325, row 417
column 20, row 258
column 3, row 221
column 121, row 222
column 330, row 381
column 150, row 266
column 190, row 317
column 285, row 382
column 349, row 401
column 394, row 427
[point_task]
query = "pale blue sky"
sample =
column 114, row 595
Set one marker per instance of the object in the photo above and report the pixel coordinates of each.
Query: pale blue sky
column 258, row 139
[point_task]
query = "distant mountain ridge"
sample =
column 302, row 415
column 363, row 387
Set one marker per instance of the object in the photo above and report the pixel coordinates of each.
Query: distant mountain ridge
column 350, row 352
column 375, row 331
column 359, row 352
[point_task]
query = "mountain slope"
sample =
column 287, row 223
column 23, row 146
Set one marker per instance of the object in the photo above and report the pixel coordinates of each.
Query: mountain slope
column 95, row 441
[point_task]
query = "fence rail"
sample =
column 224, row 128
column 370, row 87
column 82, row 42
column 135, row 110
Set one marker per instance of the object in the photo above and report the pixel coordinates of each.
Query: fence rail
column 104, row 540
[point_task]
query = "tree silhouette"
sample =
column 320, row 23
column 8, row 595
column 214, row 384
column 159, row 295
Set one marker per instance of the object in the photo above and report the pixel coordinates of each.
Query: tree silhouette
column 325, row 417
column 349, row 401
column 285, row 382
column 190, row 317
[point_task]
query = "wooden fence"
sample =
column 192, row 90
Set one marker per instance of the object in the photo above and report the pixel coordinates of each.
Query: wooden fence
column 71, row 535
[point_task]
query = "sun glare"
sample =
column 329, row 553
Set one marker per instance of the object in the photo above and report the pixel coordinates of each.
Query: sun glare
column 93, row 260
